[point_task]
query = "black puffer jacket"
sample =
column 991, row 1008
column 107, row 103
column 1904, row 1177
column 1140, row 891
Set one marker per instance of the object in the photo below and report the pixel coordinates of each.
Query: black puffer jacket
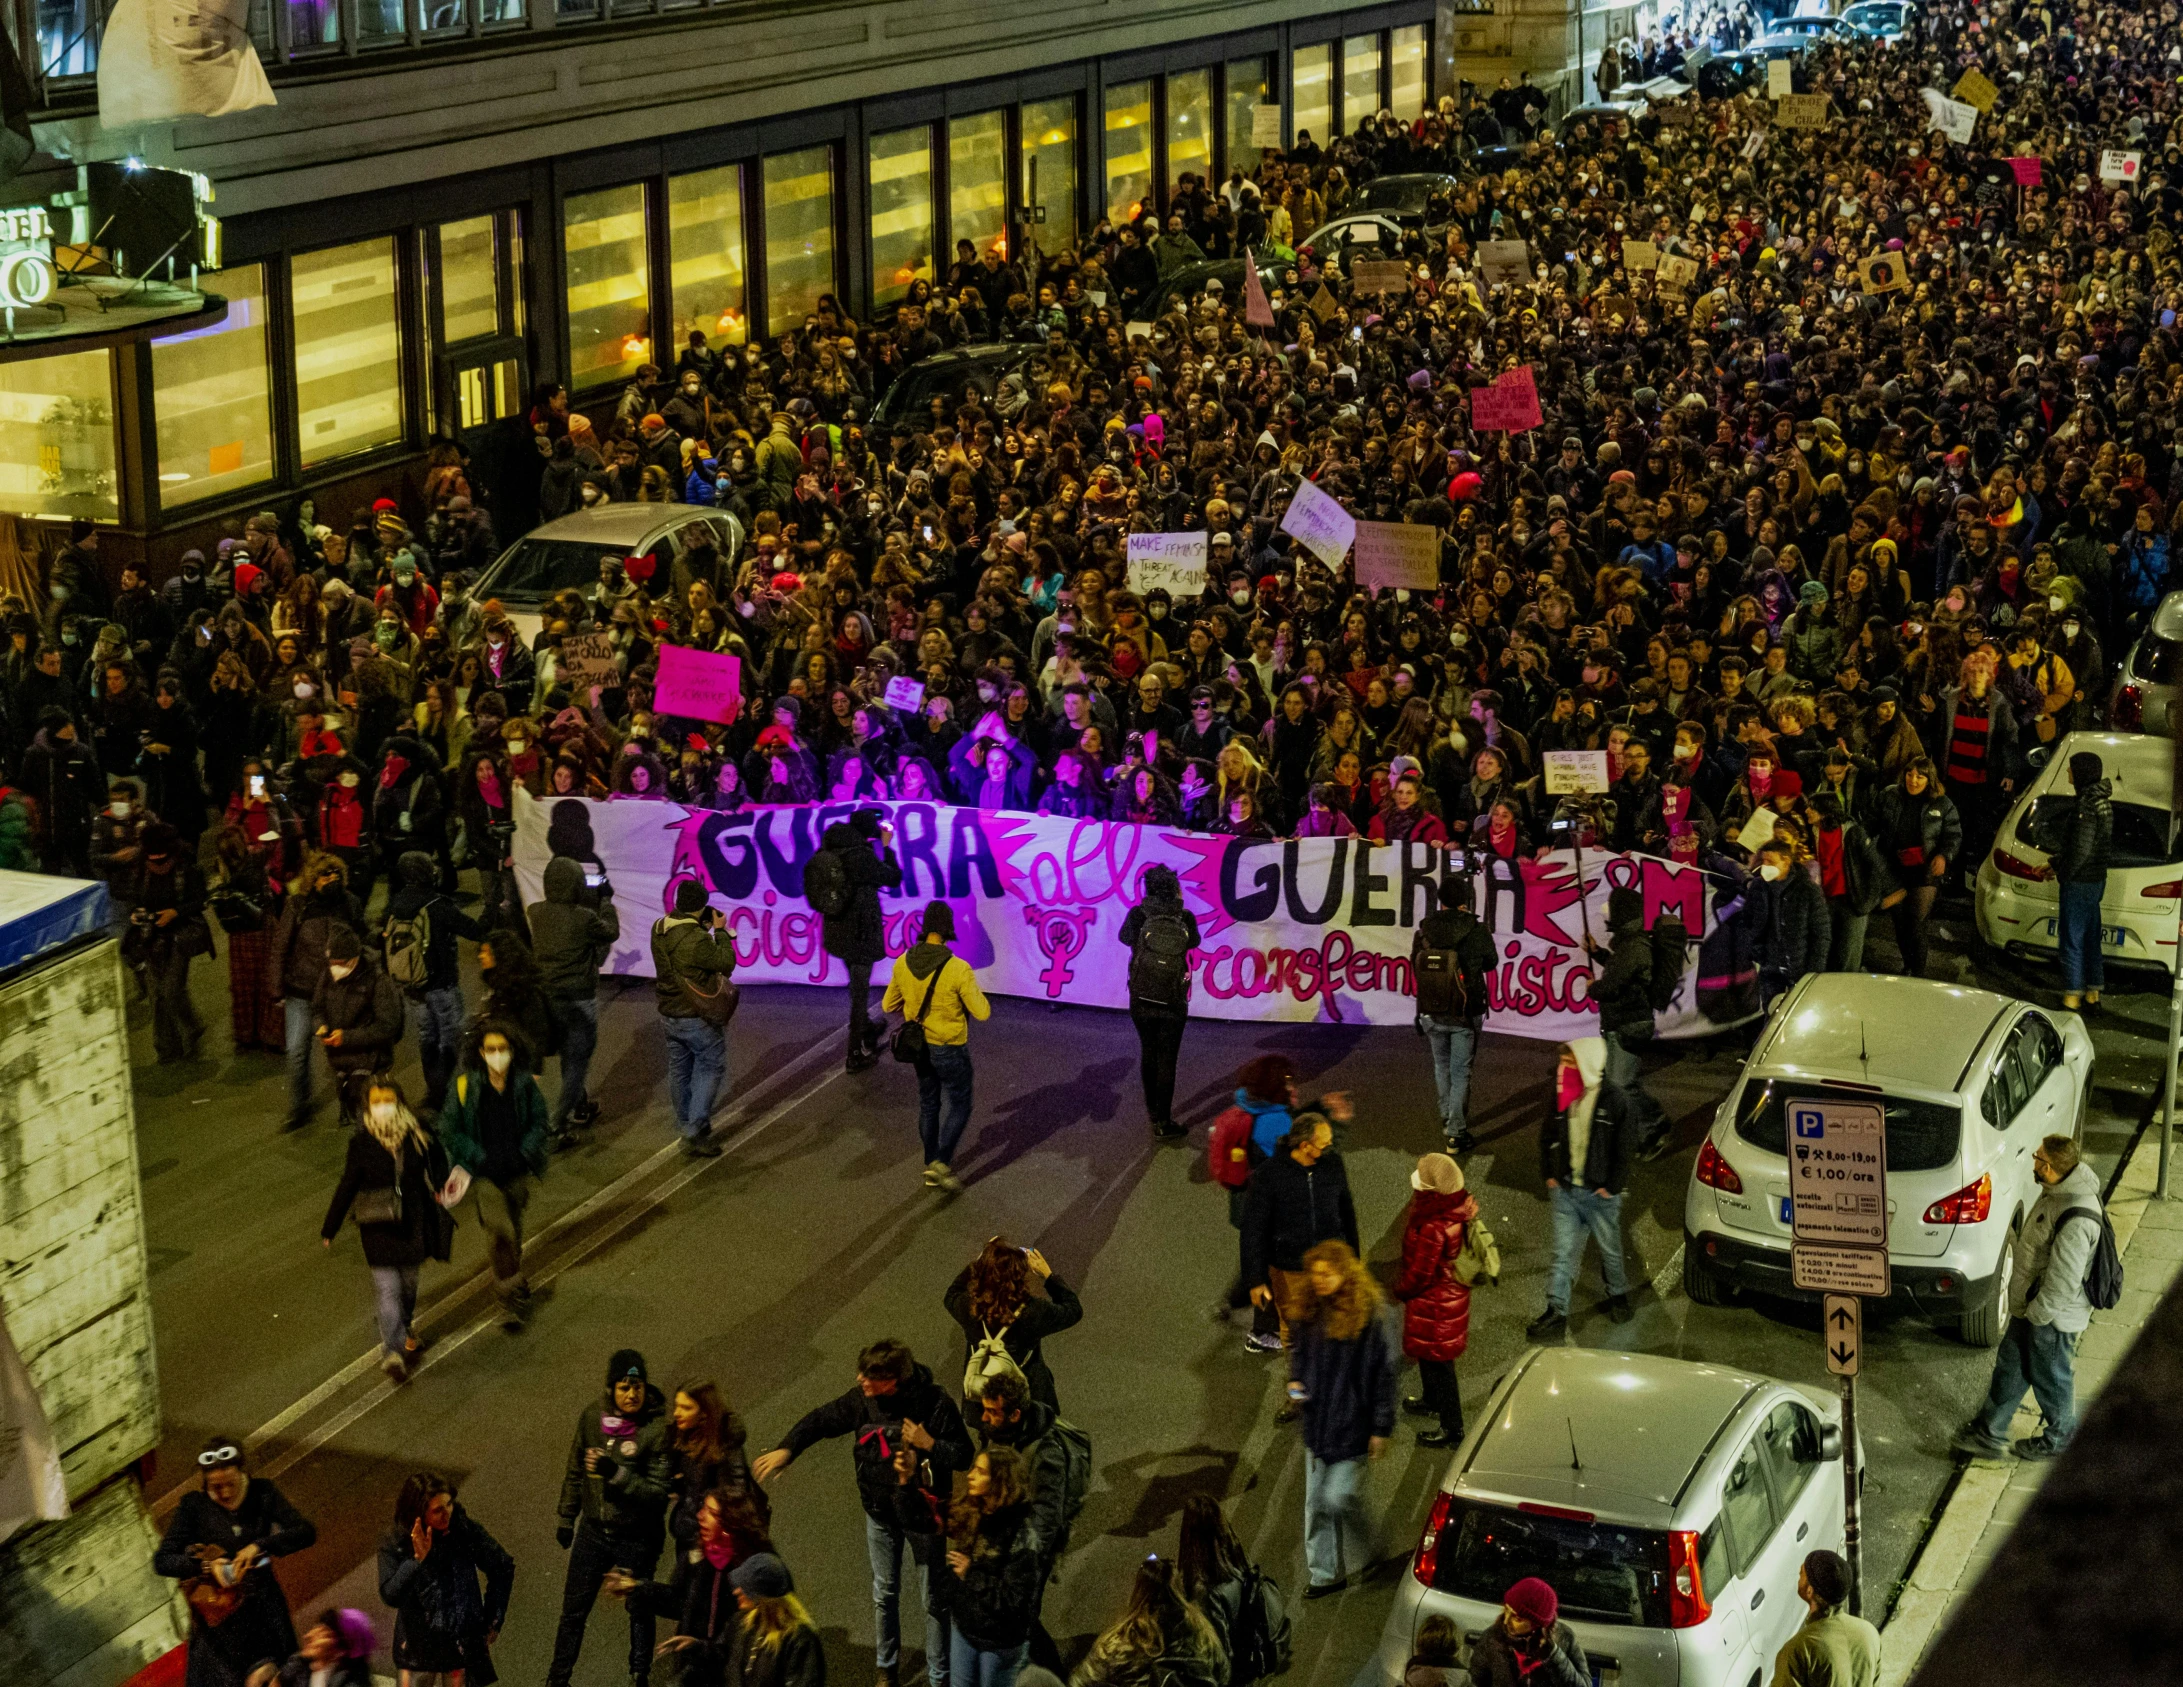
column 2081, row 837
column 1290, row 1208
column 1623, row 988
column 856, row 934
column 1926, row 826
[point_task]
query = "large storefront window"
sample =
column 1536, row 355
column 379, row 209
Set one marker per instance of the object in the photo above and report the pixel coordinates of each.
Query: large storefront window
column 57, row 437
column 1129, row 150
column 1049, row 136
column 469, row 280
column 609, row 285
column 799, row 190
column 1411, row 73
column 1311, row 93
column 1246, row 93
column 210, row 394
column 348, row 343
column 1189, row 124
column 977, row 181
column 1360, row 79
column 705, row 256
column 901, row 211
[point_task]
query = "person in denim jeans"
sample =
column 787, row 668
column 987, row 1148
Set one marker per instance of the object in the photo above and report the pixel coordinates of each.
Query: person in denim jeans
column 692, row 958
column 1584, row 1153
column 2080, row 839
column 319, row 902
column 2048, row 1310
column 934, row 988
column 1450, row 958
column 573, row 930
column 894, row 1404
column 436, row 1011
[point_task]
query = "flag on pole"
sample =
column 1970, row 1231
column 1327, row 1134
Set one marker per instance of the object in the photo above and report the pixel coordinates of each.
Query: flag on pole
column 159, row 61
column 1257, row 311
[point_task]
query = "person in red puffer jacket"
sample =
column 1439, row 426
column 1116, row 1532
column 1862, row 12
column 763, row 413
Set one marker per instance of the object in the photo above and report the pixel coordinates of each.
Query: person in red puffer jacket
column 1435, row 1302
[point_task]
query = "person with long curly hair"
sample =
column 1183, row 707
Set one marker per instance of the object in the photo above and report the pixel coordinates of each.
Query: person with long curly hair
column 987, row 1568
column 992, row 1296
column 1342, row 1380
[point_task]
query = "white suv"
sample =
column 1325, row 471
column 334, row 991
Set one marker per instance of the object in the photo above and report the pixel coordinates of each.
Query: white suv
column 1970, row 1080
column 1669, row 1504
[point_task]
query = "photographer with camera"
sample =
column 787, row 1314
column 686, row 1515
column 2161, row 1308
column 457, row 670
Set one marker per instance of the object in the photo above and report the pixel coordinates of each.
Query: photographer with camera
column 613, row 1509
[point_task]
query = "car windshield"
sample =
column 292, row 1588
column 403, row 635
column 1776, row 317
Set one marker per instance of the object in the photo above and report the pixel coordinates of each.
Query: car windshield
column 1604, row 1573
column 1921, row 1135
column 915, row 391
column 1400, row 194
column 541, row 567
column 2141, row 835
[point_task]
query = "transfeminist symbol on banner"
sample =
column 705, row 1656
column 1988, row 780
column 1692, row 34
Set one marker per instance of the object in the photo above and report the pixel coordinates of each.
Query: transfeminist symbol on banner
column 1060, row 933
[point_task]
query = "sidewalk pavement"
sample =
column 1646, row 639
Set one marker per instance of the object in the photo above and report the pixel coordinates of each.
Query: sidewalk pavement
column 1992, row 1493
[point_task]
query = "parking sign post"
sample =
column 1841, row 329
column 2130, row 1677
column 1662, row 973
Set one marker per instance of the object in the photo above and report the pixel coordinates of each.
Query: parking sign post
column 1838, row 1246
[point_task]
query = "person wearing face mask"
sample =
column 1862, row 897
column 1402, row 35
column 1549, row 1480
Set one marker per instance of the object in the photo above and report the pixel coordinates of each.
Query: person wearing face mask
column 343, row 820
column 356, row 1015
column 1792, row 928
column 390, row 1183
column 1585, row 1151
column 495, row 1131
column 117, row 843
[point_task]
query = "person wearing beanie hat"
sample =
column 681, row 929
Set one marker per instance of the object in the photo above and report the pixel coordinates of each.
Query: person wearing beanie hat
column 1623, row 990
column 1832, row 1646
column 935, row 990
column 1435, row 1299
column 1529, row 1645
column 613, row 1503
column 2079, row 839
column 693, row 963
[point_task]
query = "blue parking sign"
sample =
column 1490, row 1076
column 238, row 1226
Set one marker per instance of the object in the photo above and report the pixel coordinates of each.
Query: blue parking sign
column 1810, row 1122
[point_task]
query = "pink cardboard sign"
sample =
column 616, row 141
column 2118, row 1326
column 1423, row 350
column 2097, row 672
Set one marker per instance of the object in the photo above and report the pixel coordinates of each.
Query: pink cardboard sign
column 1508, row 405
column 2027, row 171
column 697, row 684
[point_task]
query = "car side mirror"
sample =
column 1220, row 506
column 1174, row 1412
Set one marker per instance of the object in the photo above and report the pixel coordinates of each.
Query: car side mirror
column 1830, row 1442
column 2039, row 756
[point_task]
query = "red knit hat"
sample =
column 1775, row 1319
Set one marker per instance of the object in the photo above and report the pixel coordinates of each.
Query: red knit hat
column 1532, row 1600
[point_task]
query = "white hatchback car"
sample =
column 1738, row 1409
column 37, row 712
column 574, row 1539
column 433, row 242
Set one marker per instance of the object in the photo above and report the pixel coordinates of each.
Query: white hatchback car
column 1669, row 1504
column 1970, row 1081
column 2018, row 900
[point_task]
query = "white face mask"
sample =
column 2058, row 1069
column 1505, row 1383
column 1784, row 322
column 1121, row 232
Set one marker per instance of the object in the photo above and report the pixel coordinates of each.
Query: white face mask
column 382, row 1113
column 341, row 969
column 348, row 781
column 1770, row 872
column 496, row 1060
column 120, row 810
column 2056, row 604
column 302, row 690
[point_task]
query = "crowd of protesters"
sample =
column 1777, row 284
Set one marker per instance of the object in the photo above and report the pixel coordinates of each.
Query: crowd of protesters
column 1821, row 569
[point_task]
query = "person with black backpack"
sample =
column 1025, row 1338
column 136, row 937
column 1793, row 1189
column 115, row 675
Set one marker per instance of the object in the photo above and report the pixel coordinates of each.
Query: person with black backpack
column 1058, row 1458
column 418, row 938
column 2065, row 1267
column 1241, row 1601
column 1160, row 934
column 1624, row 991
column 1451, row 958
column 842, row 881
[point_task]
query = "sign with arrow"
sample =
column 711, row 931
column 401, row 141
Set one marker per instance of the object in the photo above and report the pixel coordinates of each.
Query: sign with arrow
column 1843, row 1328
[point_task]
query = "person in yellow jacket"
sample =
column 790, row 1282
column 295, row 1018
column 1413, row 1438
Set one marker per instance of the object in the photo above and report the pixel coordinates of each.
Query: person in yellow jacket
column 933, row 988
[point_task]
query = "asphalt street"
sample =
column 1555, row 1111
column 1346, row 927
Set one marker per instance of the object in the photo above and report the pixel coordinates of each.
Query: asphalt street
column 767, row 1269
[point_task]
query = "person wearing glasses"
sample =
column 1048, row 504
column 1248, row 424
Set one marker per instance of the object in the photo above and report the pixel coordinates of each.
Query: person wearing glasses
column 220, row 1547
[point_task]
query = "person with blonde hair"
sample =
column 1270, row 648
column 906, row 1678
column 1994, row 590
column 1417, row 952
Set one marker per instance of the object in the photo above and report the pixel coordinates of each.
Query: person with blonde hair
column 1342, row 1380
column 389, row 1184
column 1160, row 1637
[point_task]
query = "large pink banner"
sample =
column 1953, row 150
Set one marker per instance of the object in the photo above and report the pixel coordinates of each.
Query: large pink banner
column 1306, row 929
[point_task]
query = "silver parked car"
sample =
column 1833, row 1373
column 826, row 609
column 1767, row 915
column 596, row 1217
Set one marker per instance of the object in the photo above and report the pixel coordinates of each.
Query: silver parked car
column 1669, row 1504
column 2151, row 680
column 564, row 554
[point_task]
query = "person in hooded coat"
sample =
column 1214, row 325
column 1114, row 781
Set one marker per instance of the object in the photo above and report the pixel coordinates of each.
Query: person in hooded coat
column 572, row 932
column 1160, row 935
column 435, row 1008
column 1435, row 1301
column 856, row 936
column 1585, row 1151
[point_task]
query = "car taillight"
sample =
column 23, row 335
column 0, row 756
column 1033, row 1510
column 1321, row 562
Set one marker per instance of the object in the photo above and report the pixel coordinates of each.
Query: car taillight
column 1427, row 1561
column 1687, row 1603
column 2128, row 713
column 2167, row 892
column 1715, row 1172
column 2016, row 867
column 1972, row 1204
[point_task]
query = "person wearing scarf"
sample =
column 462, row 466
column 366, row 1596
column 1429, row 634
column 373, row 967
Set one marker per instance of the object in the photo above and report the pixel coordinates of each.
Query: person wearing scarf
column 1528, row 1645
column 430, row 1563
column 1585, row 1152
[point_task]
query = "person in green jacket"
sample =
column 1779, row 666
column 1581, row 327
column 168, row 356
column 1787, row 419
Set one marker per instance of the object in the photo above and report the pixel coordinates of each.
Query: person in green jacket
column 494, row 1129
column 1833, row 1648
column 692, row 958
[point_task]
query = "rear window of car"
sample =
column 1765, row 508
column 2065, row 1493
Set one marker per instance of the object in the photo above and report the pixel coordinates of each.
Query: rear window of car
column 1604, row 1573
column 2154, row 662
column 2141, row 835
column 541, row 567
column 1403, row 194
column 1921, row 1135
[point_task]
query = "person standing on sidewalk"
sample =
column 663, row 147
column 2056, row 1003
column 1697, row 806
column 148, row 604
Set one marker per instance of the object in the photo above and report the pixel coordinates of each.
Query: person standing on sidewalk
column 946, row 992
column 1833, row 1648
column 2080, row 840
column 1160, row 934
column 1584, row 1153
column 494, row 1131
column 613, row 1500
column 692, row 960
column 435, row 1006
column 572, row 932
column 1435, row 1301
column 858, row 863
column 1451, row 957
column 1342, row 1379
column 2048, row 1310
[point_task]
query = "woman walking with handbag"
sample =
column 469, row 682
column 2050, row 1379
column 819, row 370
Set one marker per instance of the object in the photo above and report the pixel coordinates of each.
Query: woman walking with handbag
column 1435, row 1299
column 936, row 1038
column 220, row 1547
column 389, row 1183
